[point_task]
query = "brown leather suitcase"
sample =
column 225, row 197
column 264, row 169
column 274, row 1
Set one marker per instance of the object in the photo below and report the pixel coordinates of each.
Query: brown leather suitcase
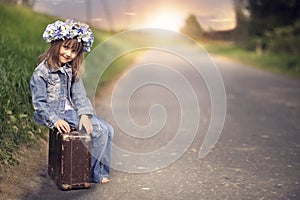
column 69, row 162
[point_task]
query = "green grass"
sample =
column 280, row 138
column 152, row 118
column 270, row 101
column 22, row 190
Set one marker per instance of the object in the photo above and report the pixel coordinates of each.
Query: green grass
column 279, row 63
column 21, row 43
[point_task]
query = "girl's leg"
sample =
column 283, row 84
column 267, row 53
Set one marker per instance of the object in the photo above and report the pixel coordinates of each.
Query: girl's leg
column 101, row 145
column 106, row 158
column 101, row 149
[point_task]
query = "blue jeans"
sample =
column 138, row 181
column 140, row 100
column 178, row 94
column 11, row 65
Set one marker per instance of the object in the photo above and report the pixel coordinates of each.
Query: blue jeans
column 101, row 144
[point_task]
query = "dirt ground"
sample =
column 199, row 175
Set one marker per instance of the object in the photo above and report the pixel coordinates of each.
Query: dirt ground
column 17, row 181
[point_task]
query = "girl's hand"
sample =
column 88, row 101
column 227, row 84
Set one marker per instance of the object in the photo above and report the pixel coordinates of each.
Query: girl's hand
column 85, row 121
column 62, row 126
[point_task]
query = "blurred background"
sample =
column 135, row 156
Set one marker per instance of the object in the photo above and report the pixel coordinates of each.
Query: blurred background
column 130, row 14
column 262, row 26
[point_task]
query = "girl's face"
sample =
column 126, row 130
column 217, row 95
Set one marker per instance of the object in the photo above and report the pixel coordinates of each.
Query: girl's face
column 66, row 54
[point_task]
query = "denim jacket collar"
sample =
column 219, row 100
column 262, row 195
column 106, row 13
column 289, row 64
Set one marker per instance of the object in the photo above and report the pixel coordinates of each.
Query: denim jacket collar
column 65, row 66
column 65, row 69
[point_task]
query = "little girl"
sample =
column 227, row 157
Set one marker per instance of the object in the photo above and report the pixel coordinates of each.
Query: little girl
column 59, row 97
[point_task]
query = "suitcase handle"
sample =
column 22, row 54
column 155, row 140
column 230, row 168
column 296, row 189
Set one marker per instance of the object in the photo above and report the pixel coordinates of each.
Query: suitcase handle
column 73, row 131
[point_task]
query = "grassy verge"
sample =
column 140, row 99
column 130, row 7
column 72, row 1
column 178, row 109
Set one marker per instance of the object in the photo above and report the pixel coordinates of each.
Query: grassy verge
column 21, row 43
column 279, row 63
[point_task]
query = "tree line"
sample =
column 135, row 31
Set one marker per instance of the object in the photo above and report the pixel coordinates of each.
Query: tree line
column 270, row 25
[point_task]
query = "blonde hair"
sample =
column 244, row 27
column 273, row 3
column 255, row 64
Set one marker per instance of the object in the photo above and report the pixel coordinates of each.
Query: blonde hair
column 51, row 56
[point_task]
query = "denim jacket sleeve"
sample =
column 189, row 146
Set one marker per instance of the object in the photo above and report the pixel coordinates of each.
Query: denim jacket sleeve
column 44, row 114
column 78, row 94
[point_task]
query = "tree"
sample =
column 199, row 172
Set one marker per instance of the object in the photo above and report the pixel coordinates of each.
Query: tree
column 242, row 20
column 266, row 15
column 192, row 27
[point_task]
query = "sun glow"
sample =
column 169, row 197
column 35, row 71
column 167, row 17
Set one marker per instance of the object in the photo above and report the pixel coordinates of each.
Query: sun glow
column 170, row 21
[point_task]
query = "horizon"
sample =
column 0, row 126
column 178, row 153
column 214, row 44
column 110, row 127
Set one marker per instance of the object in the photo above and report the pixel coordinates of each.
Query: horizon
column 117, row 15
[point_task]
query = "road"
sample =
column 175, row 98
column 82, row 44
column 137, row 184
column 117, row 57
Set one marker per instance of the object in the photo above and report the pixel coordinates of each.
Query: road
column 256, row 157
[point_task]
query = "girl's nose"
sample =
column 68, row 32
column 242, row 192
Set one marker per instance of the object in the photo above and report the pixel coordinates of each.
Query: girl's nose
column 68, row 52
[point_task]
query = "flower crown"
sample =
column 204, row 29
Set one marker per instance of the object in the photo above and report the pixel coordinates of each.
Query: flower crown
column 69, row 29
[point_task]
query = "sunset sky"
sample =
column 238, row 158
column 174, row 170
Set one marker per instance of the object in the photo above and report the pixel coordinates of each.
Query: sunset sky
column 132, row 14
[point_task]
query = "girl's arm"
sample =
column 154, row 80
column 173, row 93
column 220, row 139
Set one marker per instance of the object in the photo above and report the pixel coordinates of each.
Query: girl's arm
column 78, row 94
column 44, row 114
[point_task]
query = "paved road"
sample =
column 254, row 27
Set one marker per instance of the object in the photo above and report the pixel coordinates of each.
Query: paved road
column 256, row 157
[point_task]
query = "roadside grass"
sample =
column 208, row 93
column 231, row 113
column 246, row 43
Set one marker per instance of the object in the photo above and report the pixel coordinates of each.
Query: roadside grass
column 21, row 43
column 279, row 63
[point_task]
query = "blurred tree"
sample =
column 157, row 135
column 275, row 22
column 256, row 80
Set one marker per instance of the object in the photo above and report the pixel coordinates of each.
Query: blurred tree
column 242, row 19
column 266, row 15
column 28, row 3
column 192, row 27
column 285, row 39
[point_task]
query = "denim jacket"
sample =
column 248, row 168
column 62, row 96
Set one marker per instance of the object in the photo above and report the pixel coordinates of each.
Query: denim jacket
column 49, row 89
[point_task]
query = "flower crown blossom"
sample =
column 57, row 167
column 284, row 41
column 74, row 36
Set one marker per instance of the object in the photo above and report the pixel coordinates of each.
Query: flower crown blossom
column 69, row 29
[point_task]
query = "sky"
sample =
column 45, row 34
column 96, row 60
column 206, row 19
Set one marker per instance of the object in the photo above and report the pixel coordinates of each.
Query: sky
column 133, row 14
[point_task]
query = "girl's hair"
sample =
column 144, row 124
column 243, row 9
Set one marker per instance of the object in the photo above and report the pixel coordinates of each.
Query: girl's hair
column 52, row 59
